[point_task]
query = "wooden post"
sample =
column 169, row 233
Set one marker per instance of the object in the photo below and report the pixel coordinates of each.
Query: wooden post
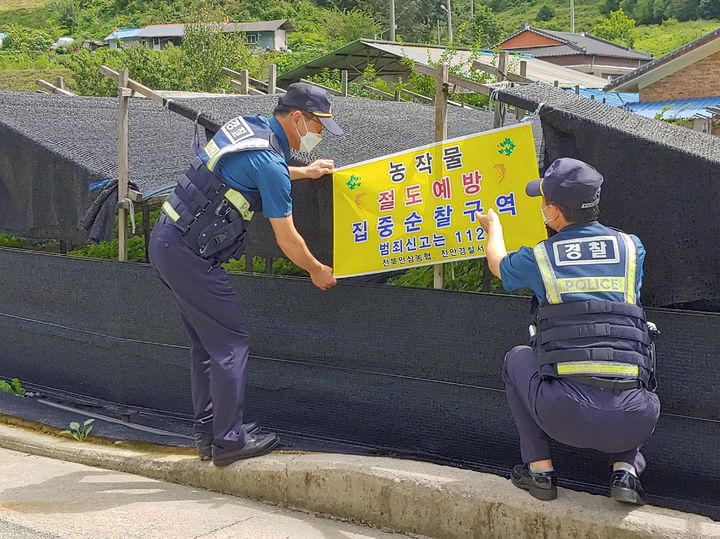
column 523, row 68
column 248, row 262
column 124, row 100
column 60, row 82
column 577, row 89
column 502, row 71
column 344, row 83
column 397, row 95
column 272, row 79
column 245, row 82
column 556, row 84
column 268, row 265
column 441, row 130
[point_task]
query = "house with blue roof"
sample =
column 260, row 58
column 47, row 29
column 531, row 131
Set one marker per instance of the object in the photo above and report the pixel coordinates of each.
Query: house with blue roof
column 683, row 85
column 126, row 37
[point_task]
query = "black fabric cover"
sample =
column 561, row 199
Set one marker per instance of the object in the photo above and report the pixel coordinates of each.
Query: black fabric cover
column 413, row 372
column 662, row 182
column 53, row 147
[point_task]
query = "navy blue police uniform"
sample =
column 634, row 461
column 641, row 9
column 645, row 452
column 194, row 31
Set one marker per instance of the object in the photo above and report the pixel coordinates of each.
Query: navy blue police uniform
column 242, row 171
column 587, row 381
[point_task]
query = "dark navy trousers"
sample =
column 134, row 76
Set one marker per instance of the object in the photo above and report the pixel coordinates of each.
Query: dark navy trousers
column 578, row 415
column 216, row 323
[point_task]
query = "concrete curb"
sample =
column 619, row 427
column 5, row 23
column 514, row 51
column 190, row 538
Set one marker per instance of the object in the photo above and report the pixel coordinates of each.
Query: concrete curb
column 407, row 496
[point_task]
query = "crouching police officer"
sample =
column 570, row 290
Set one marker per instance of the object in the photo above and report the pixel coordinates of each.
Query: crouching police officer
column 242, row 170
column 588, row 379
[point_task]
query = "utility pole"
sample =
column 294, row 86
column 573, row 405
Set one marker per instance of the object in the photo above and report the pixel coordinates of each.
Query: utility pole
column 448, row 10
column 572, row 16
column 472, row 10
column 392, row 20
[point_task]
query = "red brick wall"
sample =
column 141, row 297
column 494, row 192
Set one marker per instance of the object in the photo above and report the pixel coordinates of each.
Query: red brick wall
column 700, row 79
column 528, row 39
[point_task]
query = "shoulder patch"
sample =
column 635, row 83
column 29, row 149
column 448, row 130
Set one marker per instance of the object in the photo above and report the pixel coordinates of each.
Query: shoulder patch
column 237, row 129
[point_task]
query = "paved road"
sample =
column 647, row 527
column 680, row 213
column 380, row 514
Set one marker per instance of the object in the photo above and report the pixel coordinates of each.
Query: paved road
column 42, row 498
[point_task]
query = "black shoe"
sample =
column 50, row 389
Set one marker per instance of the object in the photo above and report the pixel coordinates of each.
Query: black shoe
column 204, row 440
column 256, row 445
column 626, row 488
column 542, row 486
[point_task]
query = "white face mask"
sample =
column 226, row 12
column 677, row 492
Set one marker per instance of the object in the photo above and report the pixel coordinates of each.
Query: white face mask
column 545, row 219
column 308, row 141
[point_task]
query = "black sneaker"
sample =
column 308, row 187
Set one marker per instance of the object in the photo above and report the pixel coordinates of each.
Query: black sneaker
column 256, row 445
column 626, row 488
column 204, row 440
column 542, row 486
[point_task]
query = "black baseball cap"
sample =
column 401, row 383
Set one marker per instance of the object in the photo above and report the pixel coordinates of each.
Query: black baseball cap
column 312, row 99
column 569, row 183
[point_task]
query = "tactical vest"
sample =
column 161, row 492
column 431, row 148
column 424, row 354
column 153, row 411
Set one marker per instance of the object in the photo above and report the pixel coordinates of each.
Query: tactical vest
column 590, row 327
column 212, row 217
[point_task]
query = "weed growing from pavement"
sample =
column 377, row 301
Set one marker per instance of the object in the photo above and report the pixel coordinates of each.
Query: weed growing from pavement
column 79, row 431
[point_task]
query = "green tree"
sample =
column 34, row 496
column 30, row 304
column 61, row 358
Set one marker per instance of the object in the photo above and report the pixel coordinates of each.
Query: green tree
column 346, row 26
column 545, row 14
column 710, row 9
column 616, row 27
column 27, row 40
column 609, row 6
column 682, row 10
column 485, row 28
column 66, row 12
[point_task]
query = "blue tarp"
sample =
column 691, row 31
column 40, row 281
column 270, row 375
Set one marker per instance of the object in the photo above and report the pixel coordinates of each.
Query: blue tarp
column 684, row 109
column 614, row 99
column 123, row 33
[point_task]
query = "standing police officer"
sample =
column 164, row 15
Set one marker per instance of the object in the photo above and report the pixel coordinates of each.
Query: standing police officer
column 241, row 171
column 588, row 379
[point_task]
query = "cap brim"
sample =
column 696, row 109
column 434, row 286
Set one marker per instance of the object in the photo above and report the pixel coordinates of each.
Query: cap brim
column 533, row 188
column 331, row 125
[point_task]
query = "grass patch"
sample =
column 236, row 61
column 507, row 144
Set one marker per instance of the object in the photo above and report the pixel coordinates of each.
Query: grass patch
column 23, row 80
column 660, row 39
column 6, row 5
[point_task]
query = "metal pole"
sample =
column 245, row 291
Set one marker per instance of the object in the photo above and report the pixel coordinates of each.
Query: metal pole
column 392, row 20
column 344, row 83
column 572, row 16
column 122, row 163
column 441, row 98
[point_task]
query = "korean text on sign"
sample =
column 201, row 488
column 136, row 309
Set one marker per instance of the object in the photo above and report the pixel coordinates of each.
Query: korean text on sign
column 418, row 207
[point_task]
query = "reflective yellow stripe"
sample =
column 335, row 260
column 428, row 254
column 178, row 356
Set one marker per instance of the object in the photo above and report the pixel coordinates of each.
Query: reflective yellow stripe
column 249, row 144
column 581, row 285
column 592, row 368
column 170, row 211
column 240, row 202
column 630, row 268
column 547, row 274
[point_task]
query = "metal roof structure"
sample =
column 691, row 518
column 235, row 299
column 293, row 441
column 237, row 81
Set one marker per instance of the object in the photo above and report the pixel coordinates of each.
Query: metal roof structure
column 676, row 109
column 178, row 30
column 123, row 33
column 389, row 58
column 671, row 62
column 614, row 99
column 582, row 43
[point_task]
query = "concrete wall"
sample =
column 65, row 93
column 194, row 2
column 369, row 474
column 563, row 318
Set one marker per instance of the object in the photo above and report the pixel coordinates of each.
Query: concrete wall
column 700, row 79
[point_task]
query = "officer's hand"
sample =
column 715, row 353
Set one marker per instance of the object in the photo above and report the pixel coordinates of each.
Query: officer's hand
column 489, row 221
column 323, row 277
column 318, row 169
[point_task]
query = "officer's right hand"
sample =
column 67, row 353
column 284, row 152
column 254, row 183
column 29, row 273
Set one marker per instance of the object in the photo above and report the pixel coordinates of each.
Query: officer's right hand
column 323, row 277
